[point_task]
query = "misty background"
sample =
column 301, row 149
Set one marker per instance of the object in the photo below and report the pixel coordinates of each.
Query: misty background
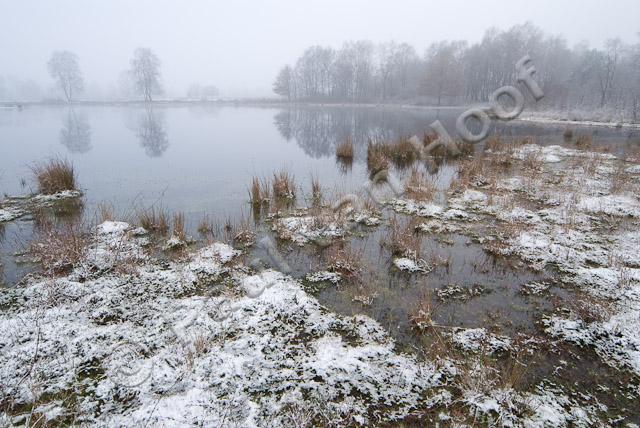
column 239, row 47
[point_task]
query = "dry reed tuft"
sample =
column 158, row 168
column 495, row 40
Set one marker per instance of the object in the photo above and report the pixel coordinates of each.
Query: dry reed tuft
column 494, row 144
column 316, row 190
column 154, row 221
column 345, row 261
column 620, row 180
column 344, row 150
column 55, row 175
column 584, row 142
column 105, row 213
column 178, row 226
column 402, row 152
column 418, row 187
column 377, row 157
column 471, row 172
column 284, row 185
column 59, row 248
column 205, row 227
column 402, row 240
column 532, row 161
column 259, row 192
column 567, row 134
column 421, row 315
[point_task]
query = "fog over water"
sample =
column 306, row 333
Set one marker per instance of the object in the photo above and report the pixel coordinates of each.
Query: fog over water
column 239, row 46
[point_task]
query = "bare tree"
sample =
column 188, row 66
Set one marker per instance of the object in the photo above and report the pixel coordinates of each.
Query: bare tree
column 64, row 69
column 145, row 73
column 283, row 83
column 444, row 70
column 608, row 68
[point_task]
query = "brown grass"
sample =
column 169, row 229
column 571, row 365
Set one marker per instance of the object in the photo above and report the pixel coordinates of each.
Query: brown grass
column 205, row 227
column 620, row 180
column 344, row 150
column 259, row 192
column 402, row 240
column 105, row 213
column 470, row 172
column 284, row 185
column 532, row 161
column 402, row 152
column 55, row 175
column 377, row 157
column 178, row 226
column 345, row 261
column 154, row 221
column 59, row 248
column 494, row 144
column 567, row 134
column 316, row 190
column 418, row 187
column 584, row 142
column 421, row 315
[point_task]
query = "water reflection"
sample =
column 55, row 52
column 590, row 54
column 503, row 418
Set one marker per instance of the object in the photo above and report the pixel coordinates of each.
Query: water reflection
column 318, row 130
column 75, row 134
column 151, row 132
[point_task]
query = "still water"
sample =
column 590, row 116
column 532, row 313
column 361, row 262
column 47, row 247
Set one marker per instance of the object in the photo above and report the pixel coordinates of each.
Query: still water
column 199, row 159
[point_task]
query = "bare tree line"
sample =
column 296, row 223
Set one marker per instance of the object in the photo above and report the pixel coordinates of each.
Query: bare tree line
column 456, row 72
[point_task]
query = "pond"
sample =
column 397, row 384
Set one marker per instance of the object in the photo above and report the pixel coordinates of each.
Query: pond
column 199, row 159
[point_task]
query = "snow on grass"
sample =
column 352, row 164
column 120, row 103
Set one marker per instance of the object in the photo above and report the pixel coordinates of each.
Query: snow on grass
column 324, row 275
column 10, row 213
column 422, row 209
column 303, row 230
column 148, row 349
column 411, row 265
column 616, row 205
column 13, row 208
column 478, row 339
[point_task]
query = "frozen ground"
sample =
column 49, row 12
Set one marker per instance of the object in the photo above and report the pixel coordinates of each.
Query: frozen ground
column 128, row 340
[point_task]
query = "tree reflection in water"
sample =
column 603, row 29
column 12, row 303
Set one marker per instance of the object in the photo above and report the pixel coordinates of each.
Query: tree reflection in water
column 75, row 134
column 151, row 132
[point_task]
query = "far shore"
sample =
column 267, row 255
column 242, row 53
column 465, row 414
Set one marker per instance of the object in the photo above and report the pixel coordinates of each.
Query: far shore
column 551, row 117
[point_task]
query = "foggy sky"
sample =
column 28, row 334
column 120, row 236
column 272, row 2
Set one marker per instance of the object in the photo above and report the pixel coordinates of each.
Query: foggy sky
column 240, row 45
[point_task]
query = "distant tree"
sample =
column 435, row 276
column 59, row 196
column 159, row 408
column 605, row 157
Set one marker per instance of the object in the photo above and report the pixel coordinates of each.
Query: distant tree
column 64, row 69
column 145, row 73
column 608, row 67
column 444, row 70
column 283, row 83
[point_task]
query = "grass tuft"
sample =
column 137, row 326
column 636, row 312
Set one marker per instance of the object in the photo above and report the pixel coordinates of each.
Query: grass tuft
column 344, row 150
column 55, row 175
column 377, row 157
column 584, row 142
column 418, row 187
column 154, row 221
column 59, row 248
column 284, row 185
column 178, row 226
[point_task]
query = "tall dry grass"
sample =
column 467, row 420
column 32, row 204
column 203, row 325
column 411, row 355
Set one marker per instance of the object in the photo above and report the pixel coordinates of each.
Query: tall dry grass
column 55, row 175
column 284, row 185
column 344, row 150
